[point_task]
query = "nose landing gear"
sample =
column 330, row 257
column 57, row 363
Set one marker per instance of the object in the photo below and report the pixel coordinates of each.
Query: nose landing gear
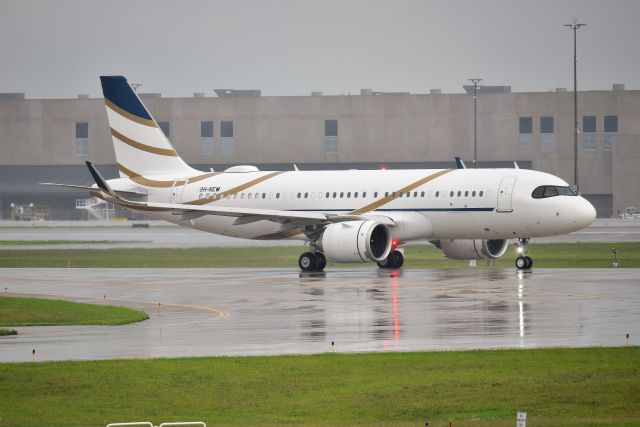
column 523, row 262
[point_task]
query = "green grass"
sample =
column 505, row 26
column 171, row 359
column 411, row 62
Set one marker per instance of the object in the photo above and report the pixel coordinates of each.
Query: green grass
column 46, row 312
column 60, row 242
column 556, row 387
column 569, row 255
column 5, row 332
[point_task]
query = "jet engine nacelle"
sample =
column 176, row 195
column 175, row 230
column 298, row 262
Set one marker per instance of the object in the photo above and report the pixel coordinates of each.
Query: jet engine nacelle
column 472, row 249
column 355, row 241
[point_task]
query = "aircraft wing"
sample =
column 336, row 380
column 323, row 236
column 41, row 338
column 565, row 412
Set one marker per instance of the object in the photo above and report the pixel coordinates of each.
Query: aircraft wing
column 248, row 214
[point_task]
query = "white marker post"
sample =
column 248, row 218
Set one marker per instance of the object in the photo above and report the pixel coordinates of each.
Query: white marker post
column 521, row 419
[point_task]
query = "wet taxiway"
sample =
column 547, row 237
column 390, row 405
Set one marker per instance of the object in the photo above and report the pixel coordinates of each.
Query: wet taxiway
column 281, row 311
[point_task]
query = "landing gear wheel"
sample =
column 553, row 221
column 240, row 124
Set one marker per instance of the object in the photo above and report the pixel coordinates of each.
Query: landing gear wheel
column 522, row 263
column 529, row 262
column 307, row 261
column 395, row 259
column 321, row 261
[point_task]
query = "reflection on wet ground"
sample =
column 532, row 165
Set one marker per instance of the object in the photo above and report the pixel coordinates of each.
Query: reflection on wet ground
column 278, row 311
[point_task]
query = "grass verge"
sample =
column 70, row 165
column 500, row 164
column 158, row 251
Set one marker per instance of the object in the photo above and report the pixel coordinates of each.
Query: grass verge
column 5, row 332
column 567, row 255
column 46, row 312
column 556, row 387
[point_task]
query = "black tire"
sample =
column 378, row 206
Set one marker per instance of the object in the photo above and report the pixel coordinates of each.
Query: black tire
column 529, row 262
column 384, row 264
column 521, row 263
column 307, row 261
column 395, row 259
column 321, row 261
column 399, row 259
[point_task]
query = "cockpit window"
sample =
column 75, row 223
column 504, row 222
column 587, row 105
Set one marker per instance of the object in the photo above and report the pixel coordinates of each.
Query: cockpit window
column 545, row 191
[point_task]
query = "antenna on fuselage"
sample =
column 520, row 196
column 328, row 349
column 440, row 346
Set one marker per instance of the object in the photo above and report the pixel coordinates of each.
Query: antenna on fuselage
column 295, row 168
column 459, row 163
column 515, row 165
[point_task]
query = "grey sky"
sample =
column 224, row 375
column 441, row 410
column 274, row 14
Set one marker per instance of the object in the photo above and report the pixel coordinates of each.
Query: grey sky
column 57, row 49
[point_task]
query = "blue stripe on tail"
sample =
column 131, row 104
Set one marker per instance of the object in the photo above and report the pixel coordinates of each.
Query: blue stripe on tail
column 117, row 90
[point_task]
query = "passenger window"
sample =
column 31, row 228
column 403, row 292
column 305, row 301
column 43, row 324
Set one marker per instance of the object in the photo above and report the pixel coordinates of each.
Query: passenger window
column 341, row 194
column 480, row 194
column 355, row 195
column 327, row 195
column 299, row 195
column 415, row 194
column 386, row 194
column 306, row 195
column 334, row 194
column 364, row 194
column 264, row 195
column 422, row 194
column 466, row 194
column 257, row 195
column 437, row 194
column 473, row 194
column 249, row 196
column 277, row 195
column 459, row 193
column 349, row 195
column 451, row 194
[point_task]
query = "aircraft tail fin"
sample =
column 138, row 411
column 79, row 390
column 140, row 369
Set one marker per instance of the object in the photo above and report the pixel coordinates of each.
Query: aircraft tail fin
column 141, row 147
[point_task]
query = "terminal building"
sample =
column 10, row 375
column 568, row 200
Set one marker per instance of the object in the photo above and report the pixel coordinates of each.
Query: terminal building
column 48, row 140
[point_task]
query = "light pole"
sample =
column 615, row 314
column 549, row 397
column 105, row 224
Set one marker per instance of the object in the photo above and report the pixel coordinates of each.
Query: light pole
column 475, row 120
column 575, row 26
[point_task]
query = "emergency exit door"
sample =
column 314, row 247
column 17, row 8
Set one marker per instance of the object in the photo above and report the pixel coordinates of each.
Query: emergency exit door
column 505, row 193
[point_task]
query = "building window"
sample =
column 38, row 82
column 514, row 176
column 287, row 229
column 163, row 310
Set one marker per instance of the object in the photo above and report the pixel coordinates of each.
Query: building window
column 227, row 140
column 330, row 136
column 589, row 141
column 206, row 138
column 525, row 136
column 81, row 146
column 547, row 135
column 164, row 126
column 610, row 131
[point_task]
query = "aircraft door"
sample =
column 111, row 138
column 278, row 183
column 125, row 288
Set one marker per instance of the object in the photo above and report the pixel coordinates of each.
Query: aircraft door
column 176, row 191
column 505, row 193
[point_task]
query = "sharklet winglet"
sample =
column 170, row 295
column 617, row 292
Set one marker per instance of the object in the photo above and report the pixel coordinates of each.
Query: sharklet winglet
column 100, row 181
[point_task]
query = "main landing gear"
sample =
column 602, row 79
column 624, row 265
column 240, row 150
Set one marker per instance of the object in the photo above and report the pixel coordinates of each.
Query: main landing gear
column 312, row 261
column 523, row 262
column 394, row 260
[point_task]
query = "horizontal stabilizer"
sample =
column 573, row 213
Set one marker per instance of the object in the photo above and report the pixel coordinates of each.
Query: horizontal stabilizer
column 69, row 186
column 83, row 187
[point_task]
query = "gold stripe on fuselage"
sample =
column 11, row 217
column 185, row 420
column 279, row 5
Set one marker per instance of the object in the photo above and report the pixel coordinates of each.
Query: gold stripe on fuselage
column 143, row 147
column 130, row 116
column 396, row 194
column 232, row 191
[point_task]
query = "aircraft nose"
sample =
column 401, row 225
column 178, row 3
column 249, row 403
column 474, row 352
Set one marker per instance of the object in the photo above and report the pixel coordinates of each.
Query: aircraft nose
column 585, row 213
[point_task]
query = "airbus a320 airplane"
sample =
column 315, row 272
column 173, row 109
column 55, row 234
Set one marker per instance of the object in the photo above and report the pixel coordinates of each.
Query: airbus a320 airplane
column 346, row 216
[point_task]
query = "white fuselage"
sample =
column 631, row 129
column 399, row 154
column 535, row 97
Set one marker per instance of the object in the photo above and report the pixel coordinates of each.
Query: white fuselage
column 422, row 204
